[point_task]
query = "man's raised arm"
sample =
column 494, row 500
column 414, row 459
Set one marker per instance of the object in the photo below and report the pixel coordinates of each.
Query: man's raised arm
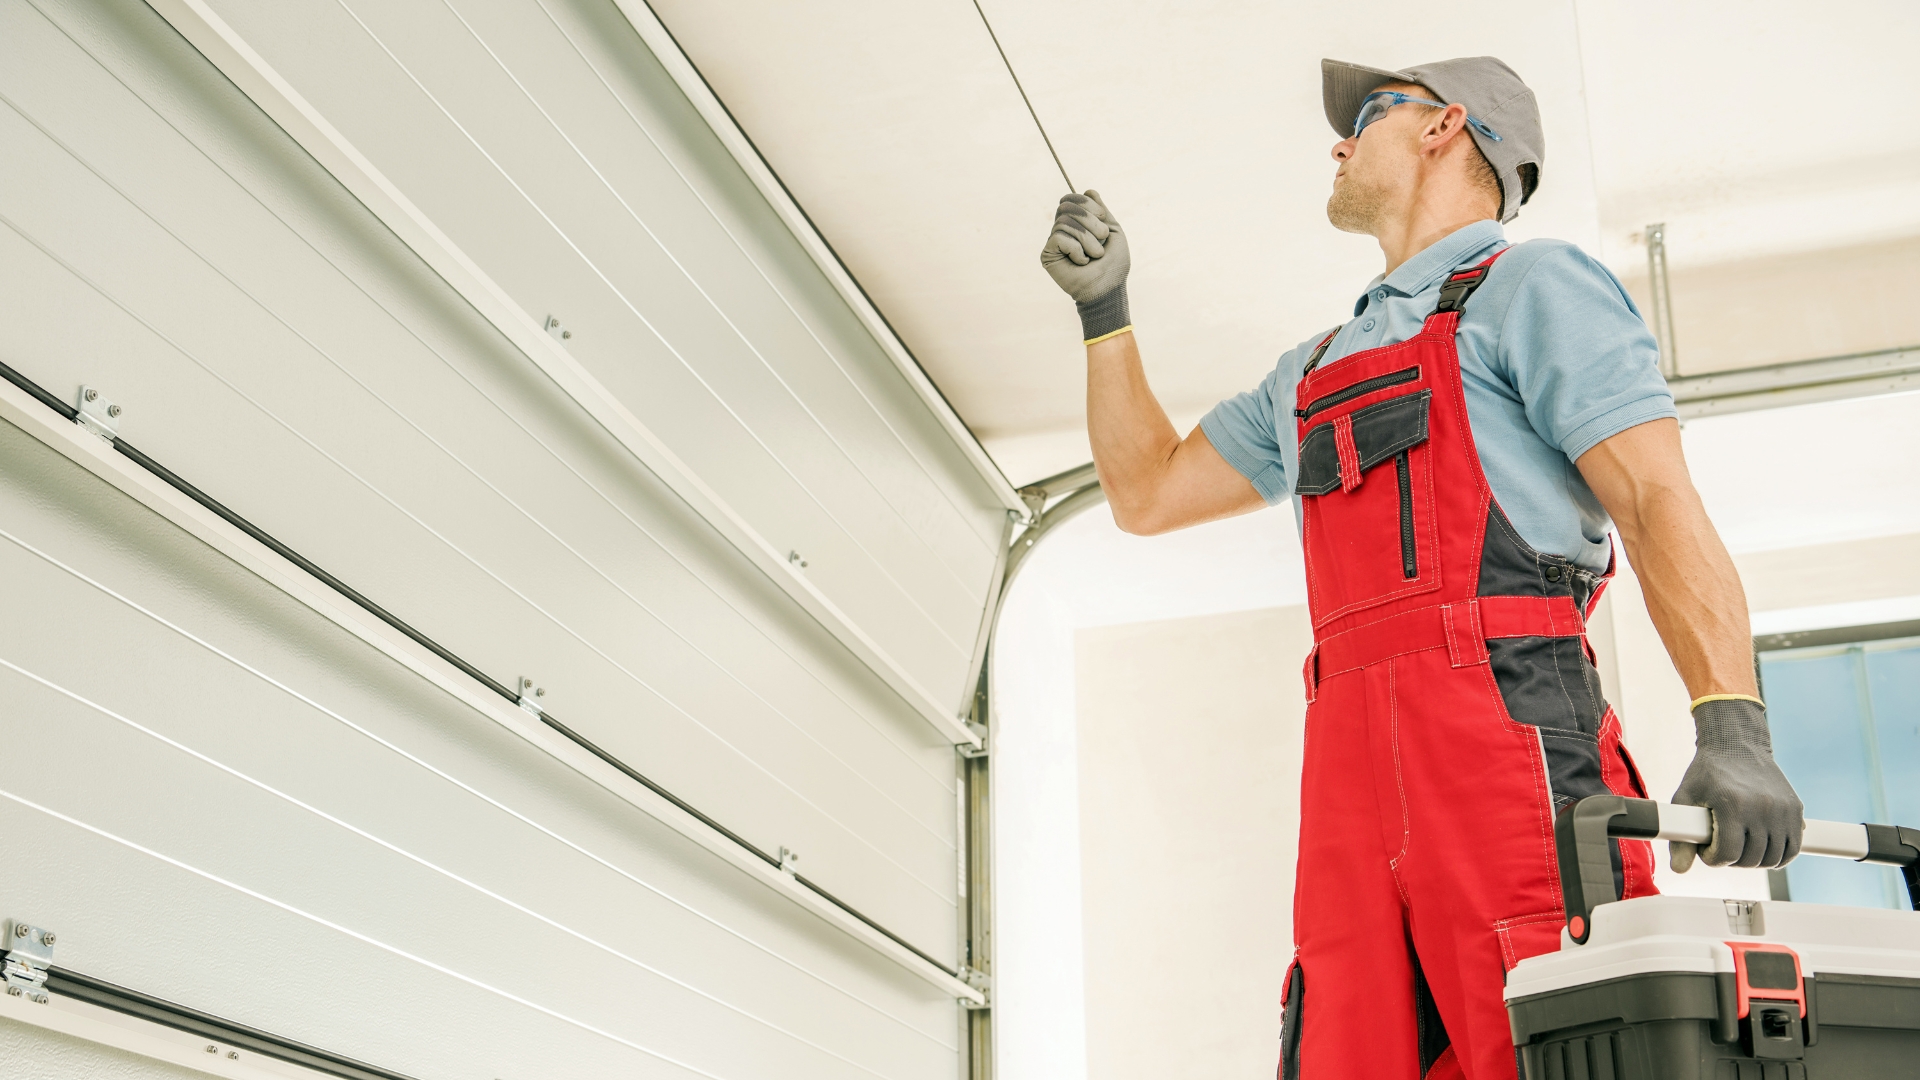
column 1155, row 480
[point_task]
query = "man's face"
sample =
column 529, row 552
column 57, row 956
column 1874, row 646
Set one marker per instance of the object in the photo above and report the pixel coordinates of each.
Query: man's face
column 1377, row 168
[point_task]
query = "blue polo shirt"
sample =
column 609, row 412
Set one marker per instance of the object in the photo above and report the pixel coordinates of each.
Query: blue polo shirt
column 1554, row 358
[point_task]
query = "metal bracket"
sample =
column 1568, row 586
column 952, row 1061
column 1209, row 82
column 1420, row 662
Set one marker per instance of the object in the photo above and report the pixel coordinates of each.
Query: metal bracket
column 97, row 414
column 29, row 955
column 560, row 333
column 980, row 981
column 969, row 751
column 529, row 694
column 789, row 862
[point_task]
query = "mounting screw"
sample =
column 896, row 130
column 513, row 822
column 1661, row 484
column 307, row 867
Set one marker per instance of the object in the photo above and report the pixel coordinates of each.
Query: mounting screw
column 526, row 684
column 46, row 938
column 794, row 559
column 212, row 1049
column 233, row 1055
column 20, row 930
column 564, row 334
column 92, row 394
column 113, row 410
column 539, row 691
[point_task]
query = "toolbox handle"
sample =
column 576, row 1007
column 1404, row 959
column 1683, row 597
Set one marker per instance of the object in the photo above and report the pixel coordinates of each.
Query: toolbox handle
column 1582, row 828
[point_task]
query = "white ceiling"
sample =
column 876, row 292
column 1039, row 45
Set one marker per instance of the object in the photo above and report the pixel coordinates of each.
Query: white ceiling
column 1752, row 129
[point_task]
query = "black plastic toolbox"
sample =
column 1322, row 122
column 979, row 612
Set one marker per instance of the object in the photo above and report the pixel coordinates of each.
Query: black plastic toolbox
column 1692, row 988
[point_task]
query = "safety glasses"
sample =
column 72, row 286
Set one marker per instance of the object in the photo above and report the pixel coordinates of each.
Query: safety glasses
column 1377, row 103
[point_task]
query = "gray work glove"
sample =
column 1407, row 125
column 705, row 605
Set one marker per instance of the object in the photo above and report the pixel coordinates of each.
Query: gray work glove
column 1087, row 256
column 1757, row 819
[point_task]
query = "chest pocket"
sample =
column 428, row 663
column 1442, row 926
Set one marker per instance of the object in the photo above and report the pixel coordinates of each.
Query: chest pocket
column 1366, row 487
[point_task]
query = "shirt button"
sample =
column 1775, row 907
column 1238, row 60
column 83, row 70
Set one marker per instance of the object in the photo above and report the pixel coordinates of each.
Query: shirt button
column 1381, row 295
column 1553, row 573
column 1368, row 325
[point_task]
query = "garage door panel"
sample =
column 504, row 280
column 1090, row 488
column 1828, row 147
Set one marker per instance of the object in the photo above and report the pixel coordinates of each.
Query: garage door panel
column 362, row 459
column 164, row 799
column 278, row 734
column 330, row 810
column 483, row 1022
column 361, row 439
column 418, row 906
column 44, row 1054
column 513, row 80
column 849, row 832
column 691, row 691
column 556, row 64
column 542, row 267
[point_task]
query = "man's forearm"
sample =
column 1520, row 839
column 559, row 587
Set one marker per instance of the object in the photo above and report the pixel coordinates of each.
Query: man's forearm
column 1693, row 591
column 1694, row 595
column 1133, row 441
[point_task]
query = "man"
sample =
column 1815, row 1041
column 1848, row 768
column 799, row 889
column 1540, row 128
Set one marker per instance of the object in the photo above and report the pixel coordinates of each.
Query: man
column 1454, row 453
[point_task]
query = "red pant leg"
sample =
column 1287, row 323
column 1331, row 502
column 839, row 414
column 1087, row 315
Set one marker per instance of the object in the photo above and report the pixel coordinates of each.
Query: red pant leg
column 1480, row 873
column 1356, row 1016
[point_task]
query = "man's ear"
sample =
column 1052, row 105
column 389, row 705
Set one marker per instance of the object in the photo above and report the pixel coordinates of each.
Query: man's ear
column 1444, row 126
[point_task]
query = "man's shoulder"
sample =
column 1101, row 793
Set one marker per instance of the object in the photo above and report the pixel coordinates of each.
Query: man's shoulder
column 1545, row 254
column 1557, row 273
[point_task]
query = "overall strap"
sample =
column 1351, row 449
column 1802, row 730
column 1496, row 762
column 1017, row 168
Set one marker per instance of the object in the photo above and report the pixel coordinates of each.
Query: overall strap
column 1319, row 352
column 1462, row 283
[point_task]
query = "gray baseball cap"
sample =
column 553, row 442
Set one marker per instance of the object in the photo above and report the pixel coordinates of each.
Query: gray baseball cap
column 1488, row 88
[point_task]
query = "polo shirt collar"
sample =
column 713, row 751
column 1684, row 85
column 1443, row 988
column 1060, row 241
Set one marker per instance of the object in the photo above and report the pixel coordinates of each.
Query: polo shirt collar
column 1425, row 269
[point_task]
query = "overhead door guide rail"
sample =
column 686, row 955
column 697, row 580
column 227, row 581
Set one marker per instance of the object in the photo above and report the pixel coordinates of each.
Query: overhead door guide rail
column 98, row 417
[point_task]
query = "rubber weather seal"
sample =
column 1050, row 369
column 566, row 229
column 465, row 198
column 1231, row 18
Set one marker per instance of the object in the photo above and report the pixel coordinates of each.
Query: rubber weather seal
column 173, row 480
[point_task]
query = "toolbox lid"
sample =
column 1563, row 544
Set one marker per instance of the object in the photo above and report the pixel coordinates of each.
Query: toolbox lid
column 1690, row 934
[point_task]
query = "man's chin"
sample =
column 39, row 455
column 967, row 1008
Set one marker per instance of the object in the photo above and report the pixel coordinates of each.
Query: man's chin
column 1346, row 217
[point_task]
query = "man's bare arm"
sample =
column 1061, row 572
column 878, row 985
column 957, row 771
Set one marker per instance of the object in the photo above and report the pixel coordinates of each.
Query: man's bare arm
column 1694, row 595
column 1155, row 480
column 1693, row 591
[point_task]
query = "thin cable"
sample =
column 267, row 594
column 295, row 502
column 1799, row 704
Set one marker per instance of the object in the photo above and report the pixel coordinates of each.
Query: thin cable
column 1023, row 96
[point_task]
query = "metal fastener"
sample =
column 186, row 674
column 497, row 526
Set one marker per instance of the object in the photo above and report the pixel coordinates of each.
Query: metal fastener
column 93, row 395
column 113, row 410
column 46, row 938
column 20, row 930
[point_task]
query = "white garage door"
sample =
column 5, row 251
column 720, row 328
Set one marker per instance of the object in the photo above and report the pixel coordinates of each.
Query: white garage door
column 714, row 521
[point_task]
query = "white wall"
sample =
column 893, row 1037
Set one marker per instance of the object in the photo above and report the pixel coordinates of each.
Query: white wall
column 1088, row 574
column 1190, row 741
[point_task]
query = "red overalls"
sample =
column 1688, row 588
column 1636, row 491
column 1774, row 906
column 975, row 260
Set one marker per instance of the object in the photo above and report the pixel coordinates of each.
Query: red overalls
column 1453, row 706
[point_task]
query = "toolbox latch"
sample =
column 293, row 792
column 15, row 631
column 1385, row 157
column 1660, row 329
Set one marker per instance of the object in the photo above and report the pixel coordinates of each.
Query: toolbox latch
column 1770, row 999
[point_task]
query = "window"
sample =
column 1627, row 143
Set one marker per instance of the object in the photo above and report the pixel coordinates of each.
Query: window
column 1845, row 712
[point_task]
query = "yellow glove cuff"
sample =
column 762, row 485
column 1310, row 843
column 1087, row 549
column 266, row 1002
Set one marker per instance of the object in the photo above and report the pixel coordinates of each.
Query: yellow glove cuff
column 1699, row 701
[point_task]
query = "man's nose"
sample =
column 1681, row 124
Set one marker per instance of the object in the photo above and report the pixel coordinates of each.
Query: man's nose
column 1343, row 149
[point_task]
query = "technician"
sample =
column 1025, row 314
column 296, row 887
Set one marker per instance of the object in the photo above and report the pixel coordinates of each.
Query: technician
column 1456, row 453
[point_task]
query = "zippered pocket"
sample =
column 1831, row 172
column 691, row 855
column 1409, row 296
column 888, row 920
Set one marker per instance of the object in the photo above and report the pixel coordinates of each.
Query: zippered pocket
column 1367, row 499
column 1409, row 552
column 1359, row 389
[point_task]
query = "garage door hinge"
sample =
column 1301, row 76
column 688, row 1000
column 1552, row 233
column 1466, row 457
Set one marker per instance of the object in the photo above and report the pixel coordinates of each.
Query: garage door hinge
column 980, row 981
column 530, row 695
column 97, row 414
column 29, row 953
